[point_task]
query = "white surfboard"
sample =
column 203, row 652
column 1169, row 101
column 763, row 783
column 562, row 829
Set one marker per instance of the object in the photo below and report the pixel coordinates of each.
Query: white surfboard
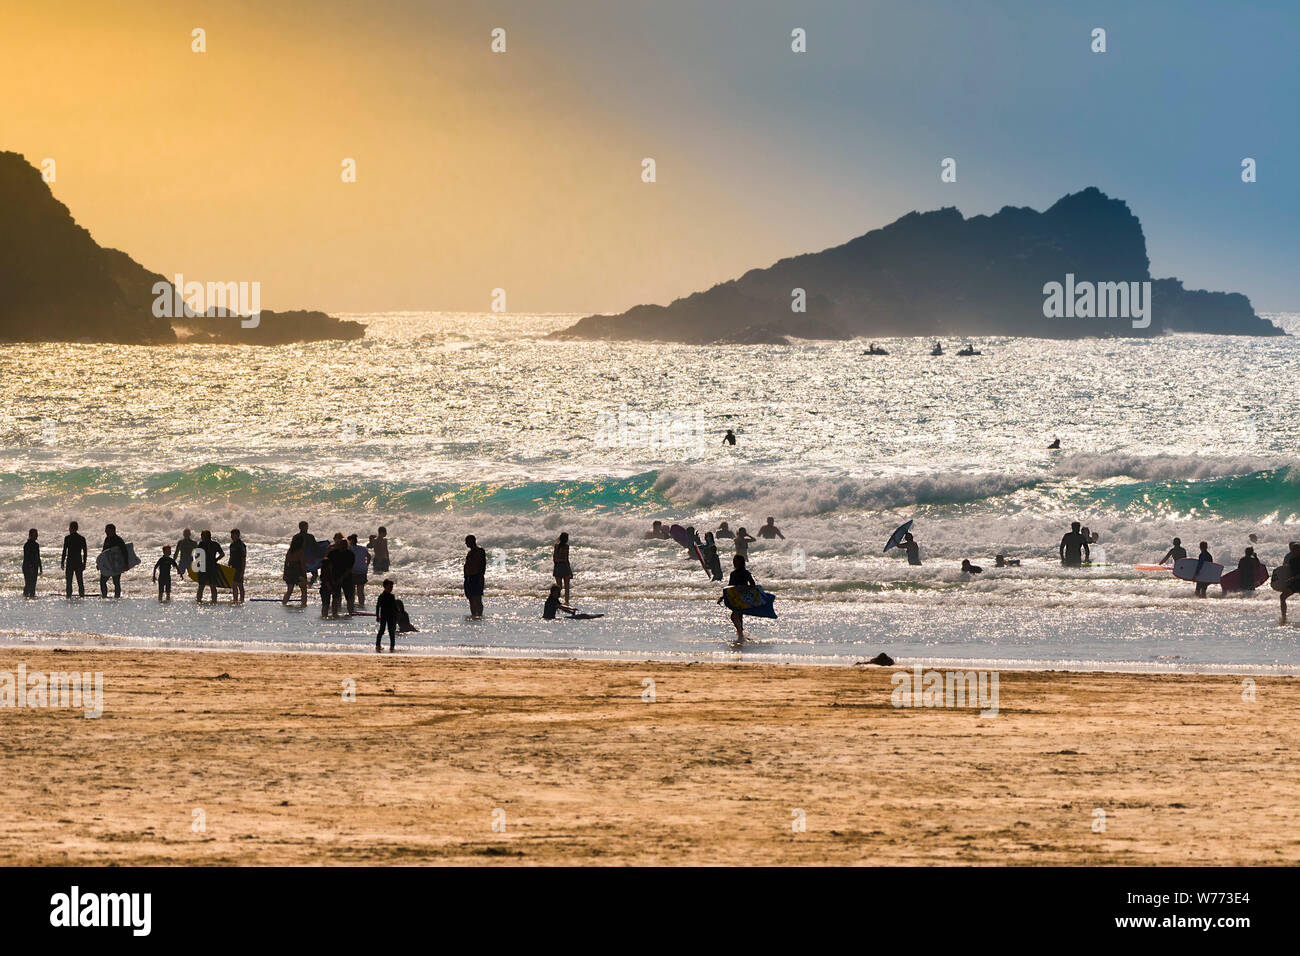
column 1186, row 570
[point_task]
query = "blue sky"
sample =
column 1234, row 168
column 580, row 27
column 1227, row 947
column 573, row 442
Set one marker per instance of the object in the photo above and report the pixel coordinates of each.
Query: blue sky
column 522, row 170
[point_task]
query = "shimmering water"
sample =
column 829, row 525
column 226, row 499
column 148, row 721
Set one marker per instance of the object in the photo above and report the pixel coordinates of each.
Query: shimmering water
column 439, row 425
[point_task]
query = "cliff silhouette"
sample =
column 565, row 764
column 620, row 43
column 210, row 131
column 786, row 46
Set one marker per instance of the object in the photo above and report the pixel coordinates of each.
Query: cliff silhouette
column 938, row 273
column 58, row 285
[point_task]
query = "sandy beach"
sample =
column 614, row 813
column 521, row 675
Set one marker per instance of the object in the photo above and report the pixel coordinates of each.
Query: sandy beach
column 239, row 758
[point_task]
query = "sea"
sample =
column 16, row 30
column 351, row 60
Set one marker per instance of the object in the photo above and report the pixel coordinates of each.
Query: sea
column 438, row 425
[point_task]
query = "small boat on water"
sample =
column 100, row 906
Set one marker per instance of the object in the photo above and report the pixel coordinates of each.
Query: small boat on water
column 937, row 350
column 875, row 350
column 970, row 350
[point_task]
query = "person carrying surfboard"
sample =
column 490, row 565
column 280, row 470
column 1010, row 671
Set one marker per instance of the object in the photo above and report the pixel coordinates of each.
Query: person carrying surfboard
column 112, row 541
column 739, row 578
column 1203, row 559
column 911, row 549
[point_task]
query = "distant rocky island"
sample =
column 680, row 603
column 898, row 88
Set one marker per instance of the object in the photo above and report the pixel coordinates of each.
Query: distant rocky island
column 58, row 285
column 939, row 274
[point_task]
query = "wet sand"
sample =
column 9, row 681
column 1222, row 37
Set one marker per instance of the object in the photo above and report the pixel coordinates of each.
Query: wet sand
column 225, row 758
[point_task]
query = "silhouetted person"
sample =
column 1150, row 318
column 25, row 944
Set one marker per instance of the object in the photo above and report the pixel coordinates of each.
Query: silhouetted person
column 379, row 564
column 968, row 568
column 32, row 567
column 360, row 565
column 743, row 539
column 711, row 557
column 1177, row 552
column 656, row 531
column 561, row 569
column 162, row 573
column 185, row 551
column 1073, row 549
column 1247, row 570
column 770, row 530
column 295, row 574
column 206, row 569
column 913, row 550
column 1291, row 576
column 1055, row 445
column 328, row 591
column 341, row 561
column 113, row 542
column 475, row 575
column 386, row 613
column 1203, row 559
column 553, row 604
column 73, row 559
column 1001, row 561
column 723, row 531
column 739, row 578
column 729, row 438
column 305, row 543
column 238, row 563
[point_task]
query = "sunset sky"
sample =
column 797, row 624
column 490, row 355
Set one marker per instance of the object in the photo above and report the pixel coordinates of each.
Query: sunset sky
column 522, row 170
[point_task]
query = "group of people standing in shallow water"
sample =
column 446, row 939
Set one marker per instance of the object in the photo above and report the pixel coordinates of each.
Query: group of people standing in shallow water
column 707, row 548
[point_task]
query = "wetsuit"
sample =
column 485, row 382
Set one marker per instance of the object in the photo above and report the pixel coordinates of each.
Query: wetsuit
column 552, row 605
column 238, row 559
column 31, row 566
column 1203, row 558
column 73, row 562
column 163, row 571
column 1073, row 545
column 386, row 613
column 113, row 541
column 741, row 578
column 341, row 561
column 212, row 553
